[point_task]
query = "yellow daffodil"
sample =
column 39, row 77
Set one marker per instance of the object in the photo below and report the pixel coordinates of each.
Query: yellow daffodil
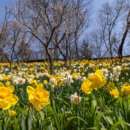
column 7, row 99
column 111, row 86
column 97, row 79
column 38, row 96
column 12, row 113
column 45, row 82
column 114, row 93
column 7, row 84
column 86, row 87
column 126, row 90
column 33, row 82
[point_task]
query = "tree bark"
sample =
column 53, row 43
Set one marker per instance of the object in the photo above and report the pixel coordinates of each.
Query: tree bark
column 51, row 61
column 120, row 50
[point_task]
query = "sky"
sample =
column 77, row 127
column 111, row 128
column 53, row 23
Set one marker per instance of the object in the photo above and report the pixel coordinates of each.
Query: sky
column 3, row 4
column 95, row 6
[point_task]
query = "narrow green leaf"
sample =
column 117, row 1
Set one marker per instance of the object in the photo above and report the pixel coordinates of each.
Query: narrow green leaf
column 109, row 119
column 97, row 121
column 119, row 123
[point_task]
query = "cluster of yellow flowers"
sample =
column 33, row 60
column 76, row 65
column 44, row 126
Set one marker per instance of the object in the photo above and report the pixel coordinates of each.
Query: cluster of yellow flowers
column 38, row 96
column 97, row 80
column 94, row 81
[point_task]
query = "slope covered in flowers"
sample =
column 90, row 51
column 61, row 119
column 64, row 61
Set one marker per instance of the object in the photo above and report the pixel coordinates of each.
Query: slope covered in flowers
column 93, row 95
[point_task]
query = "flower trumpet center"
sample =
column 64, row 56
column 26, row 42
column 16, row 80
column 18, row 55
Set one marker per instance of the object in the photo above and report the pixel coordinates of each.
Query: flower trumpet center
column 4, row 93
column 39, row 94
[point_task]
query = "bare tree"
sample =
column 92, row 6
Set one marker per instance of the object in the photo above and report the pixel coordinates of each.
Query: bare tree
column 66, row 39
column 14, row 36
column 17, row 43
column 80, row 20
column 44, row 17
column 96, row 39
column 109, row 17
column 4, row 35
column 11, row 36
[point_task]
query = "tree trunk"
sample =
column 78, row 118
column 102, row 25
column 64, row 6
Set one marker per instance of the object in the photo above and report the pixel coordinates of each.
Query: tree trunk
column 76, row 45
column 51, row 65
column 120, row 50
column 65, row 62
column 51, row 61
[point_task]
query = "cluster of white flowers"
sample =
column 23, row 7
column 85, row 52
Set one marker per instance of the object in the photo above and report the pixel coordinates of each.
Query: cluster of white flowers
column 75, row 99
column 24, row 69
column 6, row 70
column 45, row 74
column 18, row 80
column 83, row 78
column 53, row 82
column 20, row 74
column 116, row 73
column 105, row 72
column 117, row 70
column 68, row 79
